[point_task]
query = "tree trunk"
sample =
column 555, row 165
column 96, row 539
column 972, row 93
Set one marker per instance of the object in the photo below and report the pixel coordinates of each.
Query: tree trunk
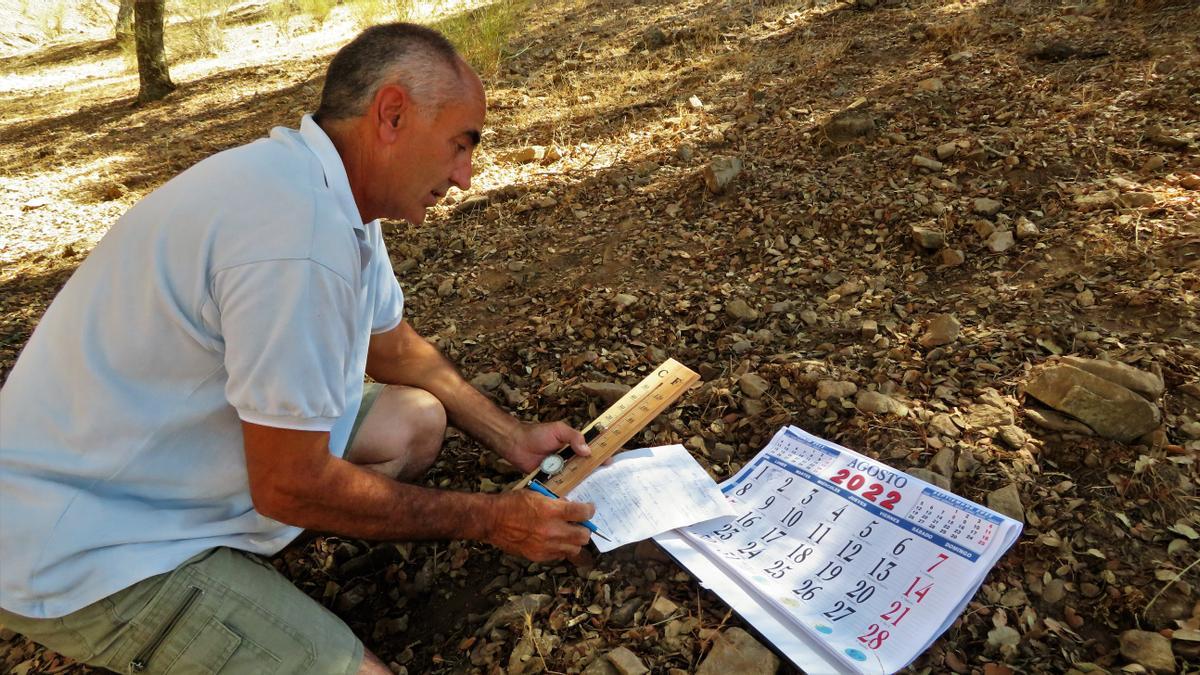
column 124, row 26
column 154, row 80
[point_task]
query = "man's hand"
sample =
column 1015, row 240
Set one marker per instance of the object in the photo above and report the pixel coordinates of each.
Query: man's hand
column 538, row 528
column 532, row 442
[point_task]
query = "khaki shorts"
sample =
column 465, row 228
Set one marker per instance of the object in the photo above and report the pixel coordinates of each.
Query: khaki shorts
column 223, row 611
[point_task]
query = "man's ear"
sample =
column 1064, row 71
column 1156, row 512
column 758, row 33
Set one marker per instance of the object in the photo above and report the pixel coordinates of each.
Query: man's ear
column 393, row 108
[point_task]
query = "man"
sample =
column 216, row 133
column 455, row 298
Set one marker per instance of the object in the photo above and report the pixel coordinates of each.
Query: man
column 193, row 393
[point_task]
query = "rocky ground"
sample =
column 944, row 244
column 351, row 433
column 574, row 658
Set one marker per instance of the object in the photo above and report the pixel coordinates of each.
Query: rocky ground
column 911, row 227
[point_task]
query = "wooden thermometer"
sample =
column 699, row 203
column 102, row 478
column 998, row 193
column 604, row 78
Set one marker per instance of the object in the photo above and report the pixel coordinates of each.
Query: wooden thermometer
column 562, row 471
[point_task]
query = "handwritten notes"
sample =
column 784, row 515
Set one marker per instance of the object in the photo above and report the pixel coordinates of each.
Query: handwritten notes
column 647, row 492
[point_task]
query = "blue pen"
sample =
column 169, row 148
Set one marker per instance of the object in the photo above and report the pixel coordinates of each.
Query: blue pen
column 541, row 490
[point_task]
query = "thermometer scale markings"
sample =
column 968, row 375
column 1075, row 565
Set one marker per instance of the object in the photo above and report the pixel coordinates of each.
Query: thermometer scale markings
column 622, row 421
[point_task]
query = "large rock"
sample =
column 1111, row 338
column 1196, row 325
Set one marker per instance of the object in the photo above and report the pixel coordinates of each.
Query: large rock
column 1127, row 376
column 735, row 651
column 1149, row 649
column 1110, row 409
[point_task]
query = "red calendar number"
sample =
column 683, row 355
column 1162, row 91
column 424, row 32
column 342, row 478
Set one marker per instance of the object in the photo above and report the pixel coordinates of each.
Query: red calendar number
column 918, row 593
column 874, row 637
column 855, row 482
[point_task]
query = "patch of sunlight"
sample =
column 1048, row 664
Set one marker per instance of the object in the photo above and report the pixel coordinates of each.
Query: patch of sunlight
column 76, row 77
column 39, row 212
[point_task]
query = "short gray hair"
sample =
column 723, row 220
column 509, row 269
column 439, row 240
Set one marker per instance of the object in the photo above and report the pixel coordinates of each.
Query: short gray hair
column 420, row 59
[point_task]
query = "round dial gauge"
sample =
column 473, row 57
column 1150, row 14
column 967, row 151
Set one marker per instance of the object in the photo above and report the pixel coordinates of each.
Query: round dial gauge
column 552, row 464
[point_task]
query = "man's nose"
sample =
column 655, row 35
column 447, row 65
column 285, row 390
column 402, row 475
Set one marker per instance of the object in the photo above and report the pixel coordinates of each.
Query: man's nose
column 461, row 176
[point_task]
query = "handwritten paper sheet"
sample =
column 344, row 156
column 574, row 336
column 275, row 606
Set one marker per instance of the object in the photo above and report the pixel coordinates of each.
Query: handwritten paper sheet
column 647, row 492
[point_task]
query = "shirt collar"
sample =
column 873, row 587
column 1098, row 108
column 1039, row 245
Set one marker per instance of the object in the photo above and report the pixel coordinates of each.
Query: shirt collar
column 331, row 163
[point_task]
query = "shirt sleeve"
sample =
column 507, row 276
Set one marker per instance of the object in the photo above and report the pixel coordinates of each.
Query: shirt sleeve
column 389, row 298
column 288, row 327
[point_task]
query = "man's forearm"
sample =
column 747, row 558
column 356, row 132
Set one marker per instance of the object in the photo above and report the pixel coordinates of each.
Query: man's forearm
column 411, row 360
column 356, row 502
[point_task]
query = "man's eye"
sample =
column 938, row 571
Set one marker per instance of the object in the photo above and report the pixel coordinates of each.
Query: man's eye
column 462, row 148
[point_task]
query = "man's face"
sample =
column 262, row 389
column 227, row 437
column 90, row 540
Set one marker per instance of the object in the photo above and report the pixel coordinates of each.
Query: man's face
column 434, row 154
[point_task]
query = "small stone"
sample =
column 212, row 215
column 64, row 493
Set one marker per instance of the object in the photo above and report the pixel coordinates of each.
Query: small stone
column 828, row 389
column 626, row 662
column 953, row 257
column 610, row 392
column 739, row 309
column 720, row 172
column 1155, row 163
column 869, row 329
column 695, row 102
column 1000, row 241
column 943, row 462
column 847, row 126
column 928, row 238
column 932, row 84
column 942, row 330
column 600, row 666
column 930, row 477
column 487, row 381
column 986, row 415
column 1013, row 436
column 1139, row 199
column 446, row 288
column 926, row 163
column 809, row 317
column 875, row 402
column 946, row 150
column 1007, row 500
column 1191, row 430
column 735, row 651
column 1096, row 200
column 685, row 152
column 987, row 207
column 661, row 609
column 624, row 299
column 533, row 153
column 753, row 385
column 1148, row 649
column 721, row 453
column 1026, row 229
column 1085, row 298
column 942, row 424
column 624, row 615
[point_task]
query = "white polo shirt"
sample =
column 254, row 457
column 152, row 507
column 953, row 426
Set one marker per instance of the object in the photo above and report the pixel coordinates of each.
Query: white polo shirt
column 246, row 288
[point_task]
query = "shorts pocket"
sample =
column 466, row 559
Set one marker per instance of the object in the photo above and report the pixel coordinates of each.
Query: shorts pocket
column 208, row 652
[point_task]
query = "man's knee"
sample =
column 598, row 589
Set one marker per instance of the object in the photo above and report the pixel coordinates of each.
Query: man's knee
column 401, row 434
column 428, row 427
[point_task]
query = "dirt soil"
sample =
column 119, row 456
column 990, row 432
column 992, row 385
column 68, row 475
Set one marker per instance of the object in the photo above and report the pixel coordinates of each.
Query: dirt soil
column 605, row 253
